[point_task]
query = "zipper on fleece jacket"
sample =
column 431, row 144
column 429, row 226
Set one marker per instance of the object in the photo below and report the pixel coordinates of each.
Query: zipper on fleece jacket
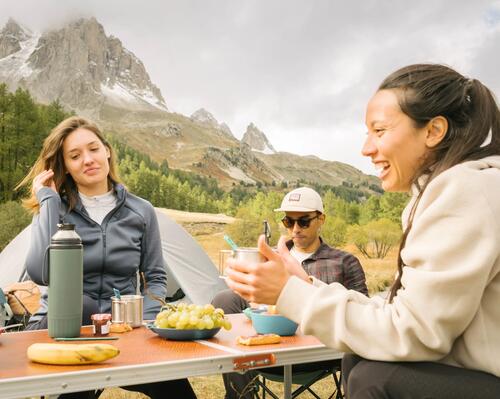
column 103, row 228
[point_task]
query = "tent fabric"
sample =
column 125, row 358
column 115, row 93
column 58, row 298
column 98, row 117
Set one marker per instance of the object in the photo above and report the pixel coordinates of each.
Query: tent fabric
column 187, row 265
column 13, row 257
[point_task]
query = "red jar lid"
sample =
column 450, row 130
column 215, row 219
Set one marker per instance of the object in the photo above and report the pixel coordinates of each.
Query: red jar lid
column 101, row 317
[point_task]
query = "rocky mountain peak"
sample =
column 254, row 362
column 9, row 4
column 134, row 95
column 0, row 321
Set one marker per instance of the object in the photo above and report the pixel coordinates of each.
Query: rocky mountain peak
column 203, row 117
column 11, row 37
column 83, row 68
column 257, row 140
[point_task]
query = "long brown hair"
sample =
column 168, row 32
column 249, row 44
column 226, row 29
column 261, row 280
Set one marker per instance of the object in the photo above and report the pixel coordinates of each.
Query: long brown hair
column 51, row 157
column 426, row 91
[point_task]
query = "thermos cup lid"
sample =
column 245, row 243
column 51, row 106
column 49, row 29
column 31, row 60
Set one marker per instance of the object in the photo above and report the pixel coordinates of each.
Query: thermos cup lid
column 66, row 236
column 65, row 226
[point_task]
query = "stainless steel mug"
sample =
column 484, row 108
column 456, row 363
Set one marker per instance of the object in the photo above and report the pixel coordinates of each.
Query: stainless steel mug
column 248, row 254
column 127, row 309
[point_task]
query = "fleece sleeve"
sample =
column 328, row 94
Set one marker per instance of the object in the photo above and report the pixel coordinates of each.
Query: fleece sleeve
column 449, row 254
column 43, row 227
column 152, row 266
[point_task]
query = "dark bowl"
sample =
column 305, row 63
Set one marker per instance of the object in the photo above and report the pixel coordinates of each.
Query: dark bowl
column 183, row 335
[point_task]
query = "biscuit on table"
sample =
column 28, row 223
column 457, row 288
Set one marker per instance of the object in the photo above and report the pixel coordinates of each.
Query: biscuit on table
column 259, row 339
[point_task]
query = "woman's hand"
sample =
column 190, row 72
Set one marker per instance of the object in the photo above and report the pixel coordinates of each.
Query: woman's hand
column 44, row 179
column 258, row 282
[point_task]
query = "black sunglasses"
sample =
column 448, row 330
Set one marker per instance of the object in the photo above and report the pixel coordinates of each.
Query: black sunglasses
column 304, row 222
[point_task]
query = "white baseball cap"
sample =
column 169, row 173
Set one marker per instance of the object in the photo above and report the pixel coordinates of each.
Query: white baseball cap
column 303, row 199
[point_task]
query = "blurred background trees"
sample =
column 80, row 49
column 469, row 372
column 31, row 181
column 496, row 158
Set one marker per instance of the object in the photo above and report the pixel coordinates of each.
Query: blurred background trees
column 371, row 224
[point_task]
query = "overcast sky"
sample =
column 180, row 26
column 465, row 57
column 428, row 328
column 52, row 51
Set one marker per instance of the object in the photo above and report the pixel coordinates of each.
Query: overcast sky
column 302, row 71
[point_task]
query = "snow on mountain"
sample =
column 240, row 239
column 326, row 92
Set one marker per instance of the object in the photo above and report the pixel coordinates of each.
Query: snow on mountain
column 79, row 66
column 15, row 67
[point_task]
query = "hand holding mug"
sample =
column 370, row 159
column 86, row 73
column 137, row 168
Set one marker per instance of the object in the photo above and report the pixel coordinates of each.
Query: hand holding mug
column 258, row 282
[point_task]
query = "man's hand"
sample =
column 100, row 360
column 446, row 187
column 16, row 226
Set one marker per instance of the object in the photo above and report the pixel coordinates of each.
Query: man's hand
column 258, row 282
column 292, row 265
column 44, row 179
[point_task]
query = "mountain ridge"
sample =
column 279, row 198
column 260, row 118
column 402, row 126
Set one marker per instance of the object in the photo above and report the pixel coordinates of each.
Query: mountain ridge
column 94, row 75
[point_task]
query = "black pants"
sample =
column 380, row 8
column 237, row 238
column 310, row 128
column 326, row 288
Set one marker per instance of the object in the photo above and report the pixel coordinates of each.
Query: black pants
column 368, row 379
column 163, row 389
column 239, row 386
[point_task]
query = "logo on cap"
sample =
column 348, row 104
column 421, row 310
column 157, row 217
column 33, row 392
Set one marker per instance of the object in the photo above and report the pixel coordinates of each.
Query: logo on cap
column 294, row 197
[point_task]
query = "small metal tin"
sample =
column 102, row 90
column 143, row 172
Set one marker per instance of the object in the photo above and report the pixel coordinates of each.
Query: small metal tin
column 127, row 309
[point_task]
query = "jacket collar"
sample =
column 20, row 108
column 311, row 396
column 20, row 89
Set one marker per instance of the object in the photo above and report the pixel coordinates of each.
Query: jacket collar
column 120, row 192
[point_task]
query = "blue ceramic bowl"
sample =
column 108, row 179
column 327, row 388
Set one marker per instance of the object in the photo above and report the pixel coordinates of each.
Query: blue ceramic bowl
column 248, row 311
column 265, row 323
column 183, row 335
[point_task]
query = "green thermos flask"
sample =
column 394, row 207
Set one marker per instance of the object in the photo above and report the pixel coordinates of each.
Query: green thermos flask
column 65, row 282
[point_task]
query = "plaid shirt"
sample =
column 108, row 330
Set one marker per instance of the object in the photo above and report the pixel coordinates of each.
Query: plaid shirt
column 333, row 265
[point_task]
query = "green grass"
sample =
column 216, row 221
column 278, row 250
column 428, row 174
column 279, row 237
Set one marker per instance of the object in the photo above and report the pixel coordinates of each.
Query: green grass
column 211, row 387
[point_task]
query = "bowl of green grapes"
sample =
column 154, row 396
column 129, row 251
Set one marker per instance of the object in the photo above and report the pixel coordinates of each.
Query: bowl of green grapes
column 187, row 322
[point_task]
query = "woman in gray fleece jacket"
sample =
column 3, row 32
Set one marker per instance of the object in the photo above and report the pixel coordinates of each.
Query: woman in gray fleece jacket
column 75, row 180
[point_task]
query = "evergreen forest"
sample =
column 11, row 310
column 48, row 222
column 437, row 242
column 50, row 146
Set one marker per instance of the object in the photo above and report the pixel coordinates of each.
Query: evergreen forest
column 372, row 224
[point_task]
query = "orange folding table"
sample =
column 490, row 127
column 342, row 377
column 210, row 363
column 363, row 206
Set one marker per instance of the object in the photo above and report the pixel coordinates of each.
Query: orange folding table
column 146, row 357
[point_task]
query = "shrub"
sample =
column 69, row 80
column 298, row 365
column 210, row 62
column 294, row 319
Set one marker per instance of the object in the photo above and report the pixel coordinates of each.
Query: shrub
column 13, row 219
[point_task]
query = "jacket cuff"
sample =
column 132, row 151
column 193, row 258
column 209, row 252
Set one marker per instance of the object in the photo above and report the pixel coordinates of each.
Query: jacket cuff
column 291, row 300
column 44, row 193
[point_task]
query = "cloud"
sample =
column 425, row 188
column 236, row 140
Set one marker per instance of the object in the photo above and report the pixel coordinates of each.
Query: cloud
column 301, row 71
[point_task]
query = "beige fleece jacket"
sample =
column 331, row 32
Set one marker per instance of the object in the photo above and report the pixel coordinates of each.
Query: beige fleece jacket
column 449, row 307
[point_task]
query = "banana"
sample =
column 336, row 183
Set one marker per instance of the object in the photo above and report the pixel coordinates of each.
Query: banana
column 52, row 353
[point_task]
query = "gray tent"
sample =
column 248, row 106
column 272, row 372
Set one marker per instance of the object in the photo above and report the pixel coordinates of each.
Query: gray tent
column 188, row 265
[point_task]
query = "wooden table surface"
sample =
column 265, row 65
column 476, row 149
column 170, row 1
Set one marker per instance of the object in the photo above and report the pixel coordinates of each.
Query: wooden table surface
column 144, row 357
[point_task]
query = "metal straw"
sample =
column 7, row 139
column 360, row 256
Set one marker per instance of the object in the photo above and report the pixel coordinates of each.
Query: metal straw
column 231, row 243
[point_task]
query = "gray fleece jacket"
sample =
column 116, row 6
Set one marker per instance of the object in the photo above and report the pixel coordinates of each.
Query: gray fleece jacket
column 127, row 241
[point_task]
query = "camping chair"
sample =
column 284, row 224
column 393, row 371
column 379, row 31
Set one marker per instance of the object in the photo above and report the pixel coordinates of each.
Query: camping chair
column 303, row 378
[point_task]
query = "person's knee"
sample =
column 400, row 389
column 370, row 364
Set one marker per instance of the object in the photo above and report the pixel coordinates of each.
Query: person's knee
column 366, row 381
column 229, row 301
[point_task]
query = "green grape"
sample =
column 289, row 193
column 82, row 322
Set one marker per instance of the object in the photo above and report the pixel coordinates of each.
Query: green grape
column 163, row 323
column 191, row 316
column 217, row 323
column 172, row 319
column 201, row 324
column 198, row 311
column 161, row 315
column 180, row 306
column 184, row 317
column 219, row 311
column 209, row 323
column 193, row 320
column 181, row 325
column 208, row 308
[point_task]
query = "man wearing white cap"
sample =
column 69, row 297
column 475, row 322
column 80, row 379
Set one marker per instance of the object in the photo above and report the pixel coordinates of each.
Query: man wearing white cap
column 304, row 217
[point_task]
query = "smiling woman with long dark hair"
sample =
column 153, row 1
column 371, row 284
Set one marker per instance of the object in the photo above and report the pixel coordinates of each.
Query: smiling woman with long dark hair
column 435, row 133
